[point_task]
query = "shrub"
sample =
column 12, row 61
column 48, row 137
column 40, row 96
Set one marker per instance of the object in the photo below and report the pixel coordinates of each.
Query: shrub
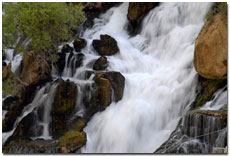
column 45, row 25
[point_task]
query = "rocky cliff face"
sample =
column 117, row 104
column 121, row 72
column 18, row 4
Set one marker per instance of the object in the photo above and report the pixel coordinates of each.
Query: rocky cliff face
column 210, row 57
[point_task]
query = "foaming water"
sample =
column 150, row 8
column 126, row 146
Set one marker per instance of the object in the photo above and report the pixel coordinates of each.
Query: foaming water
column 160, row 78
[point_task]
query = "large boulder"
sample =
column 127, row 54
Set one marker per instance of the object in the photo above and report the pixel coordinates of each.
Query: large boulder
column 63, row 106
column 106, row 83
column 137, row 12
column 210, row 58
column 94, row 9
column 35, row 69
column 79, row 43
column 107, row 45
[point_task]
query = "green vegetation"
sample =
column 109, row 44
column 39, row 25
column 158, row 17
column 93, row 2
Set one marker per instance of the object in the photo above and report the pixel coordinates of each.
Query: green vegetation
column 8, row 80
column 72, row 140
column 209, row 87
column 219, row 7
column 45, row 25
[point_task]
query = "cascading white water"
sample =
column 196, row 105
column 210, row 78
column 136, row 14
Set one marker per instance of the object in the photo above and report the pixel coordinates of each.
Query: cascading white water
column 45, row 95
column 160, row 79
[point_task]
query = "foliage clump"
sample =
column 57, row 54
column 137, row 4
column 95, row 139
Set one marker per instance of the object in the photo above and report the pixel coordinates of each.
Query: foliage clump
column 218, row 8
column 8, row 80
column 44, row 25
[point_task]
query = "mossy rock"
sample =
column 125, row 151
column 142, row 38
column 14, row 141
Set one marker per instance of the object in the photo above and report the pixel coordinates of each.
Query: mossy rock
column 107, row 45
column 72, row 141
column 78, row 124
column 79, row 44
column 63, row 106
column 67, row 49
column 100, row 64
column 209, row 87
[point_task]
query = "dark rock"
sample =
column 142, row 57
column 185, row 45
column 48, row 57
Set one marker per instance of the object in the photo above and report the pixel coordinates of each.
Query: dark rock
column 61, row 62
column 105, row 84
column 94, row 9
column 4, row 64
column 63, row 106
column 8, row 101
column 33, row 147
column 136, row 13
column 106, row 45
column 79, row 43
column 67, row 49
column 101, row 63
column 79, row 60
column 117, row 81
column 207, row 89
column 88, row 24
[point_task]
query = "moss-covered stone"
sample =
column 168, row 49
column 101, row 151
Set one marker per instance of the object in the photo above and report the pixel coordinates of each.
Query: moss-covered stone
column 101, row 63
column 79, row 43
column 64, row 105
column 71, row 141
column 209, row 87
column 107, row 45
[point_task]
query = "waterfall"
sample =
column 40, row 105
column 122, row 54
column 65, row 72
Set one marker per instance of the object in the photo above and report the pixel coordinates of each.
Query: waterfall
column 44, row 96
column 160, row 78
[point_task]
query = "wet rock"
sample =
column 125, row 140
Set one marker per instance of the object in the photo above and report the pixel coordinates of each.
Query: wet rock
column 117, row 81
column 4, row 64
column 94, row 9
column 61, row 62
column 79, row 43
column 210, row 57
column 88, row 24
column 106, row 83
column 197, row 132
column 107, row 45
column 35, row 69
column 14, row 110
column 72, row 141
column 136, row 13
column 208, row 88
column 63, row 106
column 33, row 147
column 101, row 63
column 67, row 49
column 79, row 60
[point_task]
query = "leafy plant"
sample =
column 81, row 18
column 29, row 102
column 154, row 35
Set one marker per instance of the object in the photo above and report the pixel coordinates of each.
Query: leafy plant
column 43, row 24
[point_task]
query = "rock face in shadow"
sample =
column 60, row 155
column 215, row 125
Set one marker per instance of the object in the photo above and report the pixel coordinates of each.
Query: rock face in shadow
column 79, row 44
column 107, row 45
column 136, row 13
column 94, row 9
column 63, row 106
column 210, row 57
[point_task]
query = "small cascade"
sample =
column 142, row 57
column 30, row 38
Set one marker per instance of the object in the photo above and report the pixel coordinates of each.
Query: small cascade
column 46, row 114
column 15, row 59
column 202, row 129
column 43, row 96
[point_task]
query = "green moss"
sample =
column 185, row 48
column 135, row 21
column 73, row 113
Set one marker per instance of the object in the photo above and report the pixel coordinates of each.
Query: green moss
column 8, row 81
column 6, row 149
column 219, row 7
column 80, row 124
column 209, row 87
column 72, row 140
